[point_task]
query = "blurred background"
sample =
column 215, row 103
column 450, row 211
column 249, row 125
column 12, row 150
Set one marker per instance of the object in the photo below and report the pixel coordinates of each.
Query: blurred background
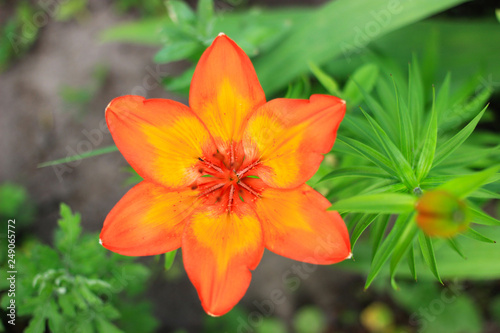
column 63, row 61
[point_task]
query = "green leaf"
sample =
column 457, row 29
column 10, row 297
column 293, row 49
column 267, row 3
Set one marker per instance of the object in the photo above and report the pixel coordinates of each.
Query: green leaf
column 66, row 304
column 326, row 81
column 473, row 234
column 169, row 259
column 465, row 111
column 445, row 149
column 384, row 203
column 399, row 162
column 55, row 319
column 479, row 217
column 454, row 245
column 364, row 77
column 369, row 172
column 70, row 9
column 145, row 31
column 37, row 323
column 205, row 11
column 361, row 226
column 82, row 156
column 366, row 151
column 70, row 229
column 416, row 96
column 406, row 137
column 427, row 154
column 464, row 185
column 377, row 232
column 441, row 103
column 349, row 19
column 180, row 12
column 386, row 249
column 428, row 253
column 401, row 247
column 411, row 262
column 104, row 326
column 176, row 51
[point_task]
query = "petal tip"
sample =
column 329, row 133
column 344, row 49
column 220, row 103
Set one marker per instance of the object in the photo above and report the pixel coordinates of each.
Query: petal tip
column 212, row 315
column 349, row 256
column 221, row 34
column 100, row 241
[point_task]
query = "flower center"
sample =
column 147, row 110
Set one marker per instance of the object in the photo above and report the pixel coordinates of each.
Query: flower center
column 224, row 179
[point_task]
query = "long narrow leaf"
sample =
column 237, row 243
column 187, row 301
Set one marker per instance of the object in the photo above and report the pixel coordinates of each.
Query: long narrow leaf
column 386, row 248
column 428, row 253
column 427, row 154
column 95, row 152
column 445, row 149
column 361, row 226
column 383, row 203
column 401, row 247
column 369, row 172
column 473, row 234
column 463, row 186
column 399, row 162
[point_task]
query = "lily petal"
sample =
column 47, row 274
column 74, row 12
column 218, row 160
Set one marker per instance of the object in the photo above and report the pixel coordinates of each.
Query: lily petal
column 225, row 90
column 148, row 220
column 219, row 250
column 290, row 136
column 297, row 226
column 161, row 139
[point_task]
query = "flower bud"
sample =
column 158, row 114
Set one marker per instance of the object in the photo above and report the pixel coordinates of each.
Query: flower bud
column 441, row 214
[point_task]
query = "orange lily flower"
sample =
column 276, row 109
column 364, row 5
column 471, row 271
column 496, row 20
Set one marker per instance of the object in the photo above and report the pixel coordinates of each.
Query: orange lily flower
column 224, row 178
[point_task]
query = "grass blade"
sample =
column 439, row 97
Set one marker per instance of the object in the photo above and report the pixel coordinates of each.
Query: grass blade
column 95, row 152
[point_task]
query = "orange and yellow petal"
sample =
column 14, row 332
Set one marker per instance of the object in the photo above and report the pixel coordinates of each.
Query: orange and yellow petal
column 219, row 250
column 161, row 139
column 148, row 220
column 296, row 225
column 290, row 136
column 225, row 90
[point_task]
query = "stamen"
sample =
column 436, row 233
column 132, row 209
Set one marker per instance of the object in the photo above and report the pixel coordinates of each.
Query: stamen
column 211, row 189
column 249, row 189
column 211, row 165
column 248, row 168
column 230, row 202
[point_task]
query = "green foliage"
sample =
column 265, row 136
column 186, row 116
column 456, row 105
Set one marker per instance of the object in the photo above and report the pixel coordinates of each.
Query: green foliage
column 395, row 150
column 17, row 34
column 283, row 42
column 76, row 286
column 15, row 203
column 71, row 9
